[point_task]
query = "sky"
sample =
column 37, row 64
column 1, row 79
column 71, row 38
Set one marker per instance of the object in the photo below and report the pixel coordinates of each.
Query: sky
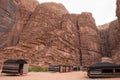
column 103, row 11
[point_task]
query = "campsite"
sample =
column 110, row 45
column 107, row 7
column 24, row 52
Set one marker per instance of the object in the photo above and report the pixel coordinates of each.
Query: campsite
column 59, row 39
column 56, row 72
column 100, row 71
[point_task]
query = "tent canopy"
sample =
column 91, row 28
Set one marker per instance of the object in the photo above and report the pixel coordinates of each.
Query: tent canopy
column 16, row 61
column 104, row 65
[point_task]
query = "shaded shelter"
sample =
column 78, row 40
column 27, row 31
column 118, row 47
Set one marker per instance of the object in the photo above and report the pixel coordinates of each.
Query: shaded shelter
column 15, row 66
column 60, row 68
column 104, row 69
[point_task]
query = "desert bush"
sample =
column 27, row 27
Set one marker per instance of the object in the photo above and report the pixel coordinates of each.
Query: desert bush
column 37, row 69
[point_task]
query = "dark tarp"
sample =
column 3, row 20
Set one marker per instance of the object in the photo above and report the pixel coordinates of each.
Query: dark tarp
column 104, row 65
column 16, row 61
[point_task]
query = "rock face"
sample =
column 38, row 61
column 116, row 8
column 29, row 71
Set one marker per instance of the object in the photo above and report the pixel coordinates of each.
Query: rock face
column 107, row 59
column 14, row 15
column 53, row 36
column 118, row 10
column 7, row 20
column 47, row 33
column 115, row 36
column 110, row 36
column 110, row 40
column 89, row 39
column 104, row 42
column 118, row 15
column 115, row 41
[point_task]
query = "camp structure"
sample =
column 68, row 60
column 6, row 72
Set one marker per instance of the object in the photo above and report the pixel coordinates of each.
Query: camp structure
column 103, row 70
column 60, row 68
column 57, row 68
column 54, row 67
column 76, row 68
column 17, row 66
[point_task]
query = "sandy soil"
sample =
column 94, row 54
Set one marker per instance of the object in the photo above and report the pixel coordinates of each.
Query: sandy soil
column 53, row 76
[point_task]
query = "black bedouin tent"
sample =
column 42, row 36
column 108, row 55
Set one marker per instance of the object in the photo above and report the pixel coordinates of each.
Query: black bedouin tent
column 104, row 69
column 15, row 66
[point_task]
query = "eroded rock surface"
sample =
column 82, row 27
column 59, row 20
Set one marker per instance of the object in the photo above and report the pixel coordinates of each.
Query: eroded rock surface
column 115, row 35
column 14, row 15
column 47, row 33
column 110, row 43
column 89, row 39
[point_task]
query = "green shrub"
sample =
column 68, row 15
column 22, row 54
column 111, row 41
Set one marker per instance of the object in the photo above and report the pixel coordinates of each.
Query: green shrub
column 37, row 69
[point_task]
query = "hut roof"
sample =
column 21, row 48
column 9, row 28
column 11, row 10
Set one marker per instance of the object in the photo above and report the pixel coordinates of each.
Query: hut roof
column 14, row 61
column 104, row 65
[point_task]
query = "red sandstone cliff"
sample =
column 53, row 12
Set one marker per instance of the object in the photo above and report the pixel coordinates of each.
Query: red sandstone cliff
column 14, row 15
column 89, row 39
column 115, row 28
column 47, row 33
column 110, row 42
column 111, row 38
column 104, row 40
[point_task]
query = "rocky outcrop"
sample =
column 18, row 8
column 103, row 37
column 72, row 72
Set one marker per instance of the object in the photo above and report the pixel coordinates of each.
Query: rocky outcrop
column 104, row 42
column 118, row 10
column 115, row 36
column 50, row 34
column 89, row 39
column 53, row 33
column 47, row 33
column 110, row 42
column 7, row 20
column 107, row 59
column 118, row 16
column 14, row 15
column 53, row 37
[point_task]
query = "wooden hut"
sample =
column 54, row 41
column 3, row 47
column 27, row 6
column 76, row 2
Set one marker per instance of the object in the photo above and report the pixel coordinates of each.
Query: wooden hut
column 60, row 68
column 57, row 68
column 67, row 69
column 76, row 68
column 54, row 67
column 17, row 66
column 103, row 70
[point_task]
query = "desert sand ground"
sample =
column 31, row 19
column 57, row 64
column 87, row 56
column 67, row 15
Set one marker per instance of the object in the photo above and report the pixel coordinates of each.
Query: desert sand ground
column 53, row 76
